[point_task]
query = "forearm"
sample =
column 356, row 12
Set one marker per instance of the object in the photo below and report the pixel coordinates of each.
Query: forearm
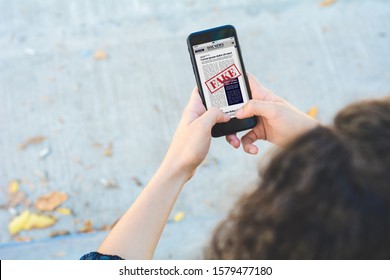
column 137, row 233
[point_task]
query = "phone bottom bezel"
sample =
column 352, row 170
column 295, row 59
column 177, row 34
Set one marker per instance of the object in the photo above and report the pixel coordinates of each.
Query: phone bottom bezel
column 233, row 126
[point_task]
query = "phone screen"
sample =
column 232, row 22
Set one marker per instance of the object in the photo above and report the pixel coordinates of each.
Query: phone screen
column 221, row 75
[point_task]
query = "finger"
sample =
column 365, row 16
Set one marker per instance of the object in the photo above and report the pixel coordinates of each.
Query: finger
column 252, row 108
column 195, row 96
column 247, row 142
column 194, row 108
column 213, row 116
column 259, row 92
column 233, row 140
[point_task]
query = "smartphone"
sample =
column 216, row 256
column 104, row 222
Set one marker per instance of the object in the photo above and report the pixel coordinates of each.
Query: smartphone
column 220, row 75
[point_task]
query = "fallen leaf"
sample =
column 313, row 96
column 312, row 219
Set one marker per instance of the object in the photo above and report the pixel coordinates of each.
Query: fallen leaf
column 32, row 141
column 97, row 145
column 105, row 227
column 50, row 201
column 100, row 55
column 59, row 233
column 13, row 186
column 39, row 221
column 59, row 254
column 313, row 111
column 88, row 227
column 22, row 238
column 17, row 224
column 179, row 216
column 108, row 151
column 14, row 199
column 137, row 181
column 327, row 3
column 27, row 221
column 64, row 211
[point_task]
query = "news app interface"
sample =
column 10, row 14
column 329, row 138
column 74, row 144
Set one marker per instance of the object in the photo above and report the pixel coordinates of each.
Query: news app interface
column 221, row 75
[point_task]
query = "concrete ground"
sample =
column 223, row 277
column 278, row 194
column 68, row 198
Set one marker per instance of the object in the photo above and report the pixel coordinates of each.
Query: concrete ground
column 105, row 83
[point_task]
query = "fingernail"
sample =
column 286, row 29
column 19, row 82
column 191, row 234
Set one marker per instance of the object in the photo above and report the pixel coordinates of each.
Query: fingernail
column 252, row 150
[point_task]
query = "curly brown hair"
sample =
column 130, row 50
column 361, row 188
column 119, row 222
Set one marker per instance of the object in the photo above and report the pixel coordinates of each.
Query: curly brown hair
column 325, row 196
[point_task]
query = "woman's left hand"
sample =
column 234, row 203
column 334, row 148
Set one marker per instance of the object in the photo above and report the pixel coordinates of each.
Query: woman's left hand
column 192, row 138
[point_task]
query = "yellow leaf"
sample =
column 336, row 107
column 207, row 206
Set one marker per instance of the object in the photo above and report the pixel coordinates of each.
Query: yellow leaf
column 179, row 216
column 18, row 222
column 108, row 151
column 39, row 221
column 327, row 3
column 50, row 201
column 100, row 55
column 313, row 111
column 13, row 186
column 27, row 221
column 64, row 211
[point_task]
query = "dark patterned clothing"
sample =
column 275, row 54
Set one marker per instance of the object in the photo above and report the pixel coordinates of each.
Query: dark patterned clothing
column 97, row 256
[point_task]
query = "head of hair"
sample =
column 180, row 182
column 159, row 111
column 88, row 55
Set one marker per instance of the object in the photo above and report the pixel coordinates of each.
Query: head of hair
column 325, row 196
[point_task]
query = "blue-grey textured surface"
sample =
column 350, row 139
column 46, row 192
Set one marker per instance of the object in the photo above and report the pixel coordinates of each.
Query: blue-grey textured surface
column 51, row 85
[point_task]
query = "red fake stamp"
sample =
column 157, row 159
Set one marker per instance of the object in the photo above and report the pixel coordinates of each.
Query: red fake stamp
column 219, row 80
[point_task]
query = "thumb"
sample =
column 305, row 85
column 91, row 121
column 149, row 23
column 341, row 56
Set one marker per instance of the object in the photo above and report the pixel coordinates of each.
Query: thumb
column 213, row 116
column 257, row 108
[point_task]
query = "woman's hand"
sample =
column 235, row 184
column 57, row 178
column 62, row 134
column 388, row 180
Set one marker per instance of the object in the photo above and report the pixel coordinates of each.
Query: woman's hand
column 192, row 138
column 278, row 121
column 136, row 234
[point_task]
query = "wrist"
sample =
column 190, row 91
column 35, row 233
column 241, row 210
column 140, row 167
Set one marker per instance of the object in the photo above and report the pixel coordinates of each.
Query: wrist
column 173, row 170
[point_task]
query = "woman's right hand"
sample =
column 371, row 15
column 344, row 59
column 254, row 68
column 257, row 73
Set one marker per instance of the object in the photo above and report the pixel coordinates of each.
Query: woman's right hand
column 278, row 121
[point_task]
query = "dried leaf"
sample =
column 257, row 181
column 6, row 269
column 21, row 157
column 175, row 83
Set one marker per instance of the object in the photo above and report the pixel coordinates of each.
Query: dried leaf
column 50, row 201
column 100, row 55
column 97, row 145
column 137, row 181
column 179, row 216
column 64, row 211
column 59, row 233
column 105, row 227
column 313, row 111
column 14, row 199
column 27, row 221
column 108, row 151
column 32, row 141
column 88, row 227
column 13, row 186
column 59, row 254
column 327, row 3
column 22, row 238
